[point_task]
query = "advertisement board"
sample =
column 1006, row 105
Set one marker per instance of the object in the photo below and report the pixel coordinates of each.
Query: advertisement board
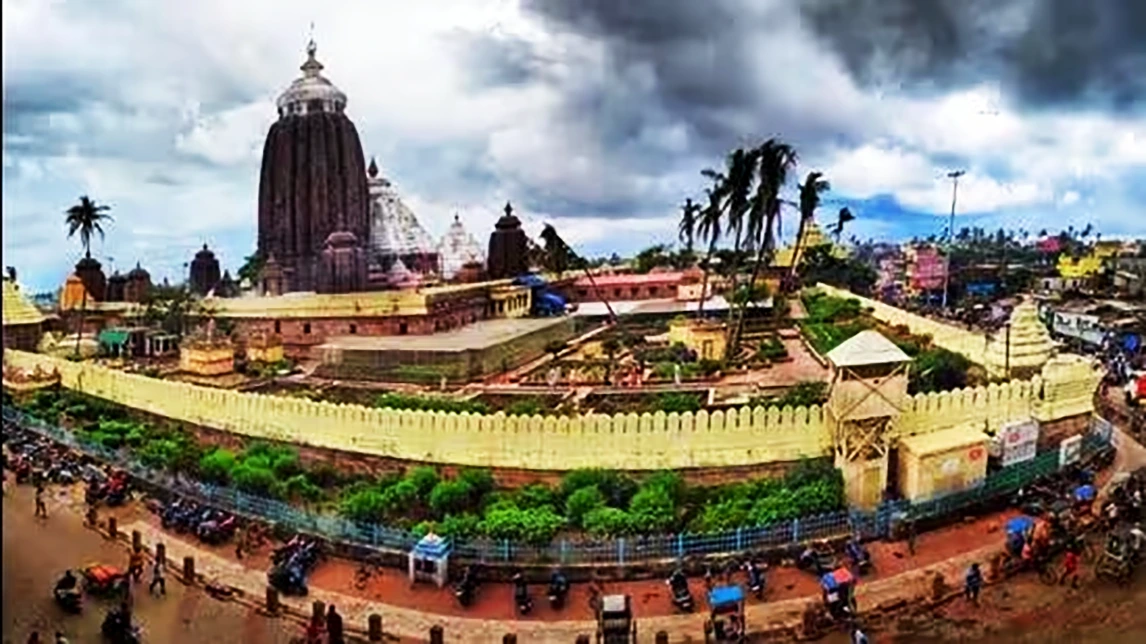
column 1020, row 441
column 1070, row 451
column 1101, row 427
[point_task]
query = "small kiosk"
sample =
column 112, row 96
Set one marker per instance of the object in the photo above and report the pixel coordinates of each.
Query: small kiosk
column 430, row 560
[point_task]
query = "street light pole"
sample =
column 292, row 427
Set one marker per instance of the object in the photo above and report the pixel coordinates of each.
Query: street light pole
column 954, row 176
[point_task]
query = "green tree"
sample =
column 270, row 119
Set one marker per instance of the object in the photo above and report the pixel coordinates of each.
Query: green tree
column 252, row 268
column 687, row 230
column 708, row 228
column 582, row 502
column 86, row 219
column 814, row 186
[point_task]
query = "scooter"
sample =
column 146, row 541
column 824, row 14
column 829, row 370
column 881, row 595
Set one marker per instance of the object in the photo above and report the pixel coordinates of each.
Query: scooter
column 681, row 595
column 466, row 588
column 859, row 555
column 558, row 590
column 755, row 579
column 521, row 596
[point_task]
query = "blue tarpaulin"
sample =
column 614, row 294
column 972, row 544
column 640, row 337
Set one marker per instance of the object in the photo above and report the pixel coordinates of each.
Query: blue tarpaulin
column 1084, row 493
column 724, row 595
column 1020, row 524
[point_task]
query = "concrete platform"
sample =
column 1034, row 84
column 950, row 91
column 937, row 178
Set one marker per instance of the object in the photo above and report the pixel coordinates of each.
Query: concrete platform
column 461, row 355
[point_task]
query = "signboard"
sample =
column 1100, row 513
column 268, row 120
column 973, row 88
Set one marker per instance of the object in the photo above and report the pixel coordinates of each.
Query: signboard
column 1070, row 451
column 1020, row 441
column 1102, row 428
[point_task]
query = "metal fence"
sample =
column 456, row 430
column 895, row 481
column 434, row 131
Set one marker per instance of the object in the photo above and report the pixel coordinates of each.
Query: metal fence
column 620, row 551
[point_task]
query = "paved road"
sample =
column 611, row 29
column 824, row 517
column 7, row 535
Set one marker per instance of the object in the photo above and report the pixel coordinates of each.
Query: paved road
column 36, row 551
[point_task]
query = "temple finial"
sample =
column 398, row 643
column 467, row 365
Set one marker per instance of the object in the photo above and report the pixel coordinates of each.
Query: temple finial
column 508, row 209
column 311, row 67
column 372, row 170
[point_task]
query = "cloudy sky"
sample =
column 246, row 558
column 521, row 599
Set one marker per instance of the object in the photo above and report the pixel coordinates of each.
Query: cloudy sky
column 594, row 115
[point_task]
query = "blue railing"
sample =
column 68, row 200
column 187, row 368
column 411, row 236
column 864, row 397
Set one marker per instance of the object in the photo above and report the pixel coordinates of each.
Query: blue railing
column 621, row 551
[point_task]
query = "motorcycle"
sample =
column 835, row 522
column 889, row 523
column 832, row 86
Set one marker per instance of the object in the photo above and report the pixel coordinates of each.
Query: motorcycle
column 558, row 590
column 521, row 595
column 859, row 556
column 466, row 588
column 681, row 595
column 755, row 579
column 70, row 600
column 217, row 531
column 118, row 629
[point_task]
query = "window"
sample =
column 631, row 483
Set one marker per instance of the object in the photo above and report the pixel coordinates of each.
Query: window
column 403, row 329
column 278, row 326
column 583, row 292
column 633, row 292
column 306, row 328
column 353, row 329
column 616, row 292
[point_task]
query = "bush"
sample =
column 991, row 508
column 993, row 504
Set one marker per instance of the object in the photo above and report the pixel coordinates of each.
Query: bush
column 366, row 506
column 400, row 498
column 480, row 480
column 250, row 476
column 652, row 510
column 537, row 526
column 423, row 478
column 678, row 402
column 617, row 488
column 300, row 486
column 582, row 502
column 535, row 495
column 459, row 526
column 393, row 400
column 607, row 522
column 772, row 348
column 216, row 466
column 526, row 407
column 450, row 497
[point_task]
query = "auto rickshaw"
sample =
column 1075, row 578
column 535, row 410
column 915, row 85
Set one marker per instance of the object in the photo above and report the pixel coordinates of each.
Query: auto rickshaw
column 726, row 621
column 105, row 581
column 839, row 593
column 1117, row 562
column 615, row 623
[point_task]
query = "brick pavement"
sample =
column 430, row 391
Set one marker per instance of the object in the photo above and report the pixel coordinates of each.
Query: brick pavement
column 409, row 624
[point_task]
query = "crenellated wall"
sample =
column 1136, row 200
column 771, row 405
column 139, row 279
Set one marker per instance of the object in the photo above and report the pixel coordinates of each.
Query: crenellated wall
column 950, row 337
column 735, row 438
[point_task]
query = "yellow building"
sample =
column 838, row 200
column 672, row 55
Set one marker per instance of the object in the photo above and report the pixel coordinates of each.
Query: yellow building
column 1088, row 265
column 706, row 338
column 264, row 347
column 23, row 322
column 942, row 462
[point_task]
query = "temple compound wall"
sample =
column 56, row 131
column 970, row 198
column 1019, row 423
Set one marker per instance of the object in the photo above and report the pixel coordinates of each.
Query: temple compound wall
column 1061, row 398
column 972, row 345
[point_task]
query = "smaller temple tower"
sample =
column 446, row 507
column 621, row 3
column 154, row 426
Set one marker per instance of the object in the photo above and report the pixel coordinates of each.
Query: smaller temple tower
column 204, row 275
column 343, row 268
column 91, row 275
column 868, row 394
column 137, row 285
column 508, row 246
column 1021, row 348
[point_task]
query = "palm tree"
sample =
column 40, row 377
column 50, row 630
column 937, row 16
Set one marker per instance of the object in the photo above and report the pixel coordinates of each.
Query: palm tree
column 708, row 227
column 775, row 160
column 86, row 218
column 687, row 231
column 741, row 169
column 555, row 246
column 842, row 218
column 814, row 185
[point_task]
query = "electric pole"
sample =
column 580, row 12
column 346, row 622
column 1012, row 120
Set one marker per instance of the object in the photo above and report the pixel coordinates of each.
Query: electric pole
column 954, row 176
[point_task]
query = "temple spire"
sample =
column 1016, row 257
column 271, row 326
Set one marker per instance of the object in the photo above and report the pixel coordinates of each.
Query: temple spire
column 372, row 170
column 311, row 67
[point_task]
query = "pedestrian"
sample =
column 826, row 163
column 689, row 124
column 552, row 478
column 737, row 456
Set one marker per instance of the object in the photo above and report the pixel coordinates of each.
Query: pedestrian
column 973, row 583
column 41, row 509
column 334, row 626
column 911, row 536
column 858, row 636
column 34, row 638
column 60, row 639
column 1069, row 568
column 157, row 579
column 135, row 565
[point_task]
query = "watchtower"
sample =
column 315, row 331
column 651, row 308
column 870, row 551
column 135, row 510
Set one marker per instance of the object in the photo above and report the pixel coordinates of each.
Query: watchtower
column 868, row 393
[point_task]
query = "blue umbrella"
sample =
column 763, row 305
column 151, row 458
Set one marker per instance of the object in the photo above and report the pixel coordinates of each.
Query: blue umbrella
column 1020, row 524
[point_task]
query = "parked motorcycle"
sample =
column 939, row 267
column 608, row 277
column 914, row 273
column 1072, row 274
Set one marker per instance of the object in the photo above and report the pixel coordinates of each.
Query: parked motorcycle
column 558, row 590
column 467, row 587
column 755, row 579
column 859, row 556
column 521, row 596
column 681, row 595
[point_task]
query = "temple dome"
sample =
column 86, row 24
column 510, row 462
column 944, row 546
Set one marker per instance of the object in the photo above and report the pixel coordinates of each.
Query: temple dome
column 313, row 92
column 1030, row 344
column 395, row 230
column 312, row 181
column 457, row 249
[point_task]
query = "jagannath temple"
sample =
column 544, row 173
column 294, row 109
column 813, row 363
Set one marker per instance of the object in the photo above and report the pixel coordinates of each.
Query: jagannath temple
column 399, row 246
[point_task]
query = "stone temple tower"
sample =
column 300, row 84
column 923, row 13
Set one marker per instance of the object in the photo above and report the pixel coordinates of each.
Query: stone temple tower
column 312, row 183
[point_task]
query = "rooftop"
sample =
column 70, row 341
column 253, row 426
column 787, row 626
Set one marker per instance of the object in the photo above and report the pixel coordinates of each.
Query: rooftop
column 866, row 348
column 479, row 335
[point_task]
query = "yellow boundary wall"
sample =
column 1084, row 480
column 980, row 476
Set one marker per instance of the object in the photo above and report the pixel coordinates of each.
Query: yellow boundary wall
column 744, row 437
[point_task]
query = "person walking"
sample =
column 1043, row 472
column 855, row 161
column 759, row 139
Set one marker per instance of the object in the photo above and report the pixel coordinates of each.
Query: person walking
column 60, row 639
column 334, row 626
column 41, row 509
column 858, row 636
column 157, row 579
column 34, row 638
column 973, row 583
column 1069, row 568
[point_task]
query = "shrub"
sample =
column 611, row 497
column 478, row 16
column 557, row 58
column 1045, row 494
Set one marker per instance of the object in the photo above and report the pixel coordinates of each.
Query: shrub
column 607, row 522
column 393, row 400
column 459, row 526
column 300, row 486
column 251, row 477
column 652, row 510
column 424, row 478
column 399, row 498
column 216, row 466
column 678, row 402
column 667, row 480
column 449, row 497
column 526, row 407
column 364, row 505
column 534, row 495
column 772, row 348
column 617, row 488
column 536, row 526
column 479, row 479
column 582, row 502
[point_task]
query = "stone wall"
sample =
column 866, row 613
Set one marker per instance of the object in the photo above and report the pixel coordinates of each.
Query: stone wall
column 744, row 437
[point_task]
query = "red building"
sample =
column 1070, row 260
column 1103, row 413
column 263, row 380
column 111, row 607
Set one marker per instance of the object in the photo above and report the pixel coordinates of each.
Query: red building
column 626, row 287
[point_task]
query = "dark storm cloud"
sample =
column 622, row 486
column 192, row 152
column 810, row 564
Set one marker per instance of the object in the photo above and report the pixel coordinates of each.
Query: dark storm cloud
column 1045, row 52
column 498, row 60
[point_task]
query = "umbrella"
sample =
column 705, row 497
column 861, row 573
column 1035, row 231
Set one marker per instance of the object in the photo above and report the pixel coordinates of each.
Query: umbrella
column 1020, row 524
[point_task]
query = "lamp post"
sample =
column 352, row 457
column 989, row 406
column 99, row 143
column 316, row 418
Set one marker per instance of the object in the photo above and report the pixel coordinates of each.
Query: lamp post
column 954, row 176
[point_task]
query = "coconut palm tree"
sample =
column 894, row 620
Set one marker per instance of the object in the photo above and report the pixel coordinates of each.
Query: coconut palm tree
column 708, row 227
column 842, row 218
column 814, row 186
column 741, row 170
column 86, row 218
column 776, row 160
column 687, row 230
